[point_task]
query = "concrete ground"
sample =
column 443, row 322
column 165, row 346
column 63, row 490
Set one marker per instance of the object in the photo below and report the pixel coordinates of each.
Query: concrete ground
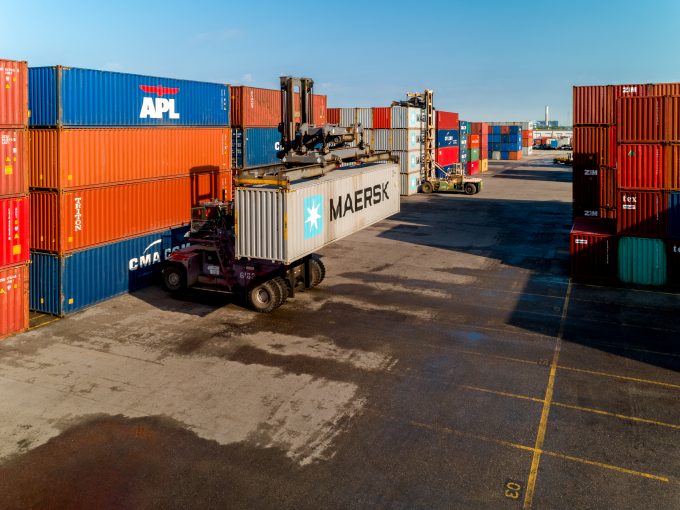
column 447, row 361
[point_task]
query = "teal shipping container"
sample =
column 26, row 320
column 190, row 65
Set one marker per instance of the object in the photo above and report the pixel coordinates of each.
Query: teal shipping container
column 642, row 261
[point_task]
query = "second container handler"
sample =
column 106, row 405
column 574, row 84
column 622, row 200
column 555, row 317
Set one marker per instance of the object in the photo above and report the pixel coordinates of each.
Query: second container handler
column 117, row 161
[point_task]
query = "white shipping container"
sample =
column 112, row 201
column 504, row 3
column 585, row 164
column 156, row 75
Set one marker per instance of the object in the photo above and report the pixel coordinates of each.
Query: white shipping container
column 286, row 225
column 410, row 184
column 526, row 151
column 496, row 155
column 346, row 117
column 407, row 118
column 397, row 139
column 351, row 116
column 409, row 162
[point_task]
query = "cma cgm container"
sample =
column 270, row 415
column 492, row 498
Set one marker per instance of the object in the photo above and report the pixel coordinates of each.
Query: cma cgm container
column 642, row 213
column 447, row 138
column 286, row 225
column 13, row 162
column 13, row 93
column 72, row 220
column 15, row 230
column 593, row 248
column 76, row 158
column 13, row 299
column 65, row 284
column 641, row 166
column 255, row 147
column 65, row 96
column 642, row 261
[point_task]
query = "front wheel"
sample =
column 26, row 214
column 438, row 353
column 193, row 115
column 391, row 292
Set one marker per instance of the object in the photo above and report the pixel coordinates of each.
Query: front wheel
column 470, row 189
column 174, row 278
column 318, row 271
column 426, row 187
column 264, row 298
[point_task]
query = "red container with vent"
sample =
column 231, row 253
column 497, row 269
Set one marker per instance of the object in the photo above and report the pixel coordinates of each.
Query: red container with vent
column 447, row 156
column 447, row 120
column 13, row 93
column 333, row 115
column 642, row 213
column 593, row 248
column 15, row 230
column 594, row 146
column 382, row 117
column 13, row 162
column 13, row 299
column 671, row 159
column 641, row 166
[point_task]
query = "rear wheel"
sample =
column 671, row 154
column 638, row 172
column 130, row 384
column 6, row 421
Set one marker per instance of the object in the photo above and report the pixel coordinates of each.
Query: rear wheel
column 265, row 297
column 318, row 271
column 426, row 187
column 283, row 289
column 470, row 189
column 174, row 278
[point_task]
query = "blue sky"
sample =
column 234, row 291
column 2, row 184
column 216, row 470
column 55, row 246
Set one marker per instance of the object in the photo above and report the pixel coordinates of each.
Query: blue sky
column 491, row 60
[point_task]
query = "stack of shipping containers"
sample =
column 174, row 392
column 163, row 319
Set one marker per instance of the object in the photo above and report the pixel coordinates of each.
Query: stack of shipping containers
column 505, row 141
column 447, row 139
column 14, row 212
column 463, row 142
column 116, row 163
column 626, row 181
column 479, row 138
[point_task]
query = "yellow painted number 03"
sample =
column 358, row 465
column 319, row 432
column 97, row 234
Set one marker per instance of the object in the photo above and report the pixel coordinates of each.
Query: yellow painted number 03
column 512, row 490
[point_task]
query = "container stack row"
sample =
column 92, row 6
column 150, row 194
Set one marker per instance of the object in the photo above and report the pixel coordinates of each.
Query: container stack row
column 626, row 183
column 505, row 142
column 116, row 163
column 14, row 205
column 478, row 140
column 255, row 119
column 448, row 140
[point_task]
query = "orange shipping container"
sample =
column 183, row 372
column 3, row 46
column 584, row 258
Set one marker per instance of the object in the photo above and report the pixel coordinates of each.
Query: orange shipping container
column 14, row 162
column 67, row 221
column 78, row 158
column 528, row 133
column 515, row 155
column 255, row 107
column 13, row 299
column 672, row 163
column 594, row 146
column 13, row 93
column 333, row 115
column 213, row 185
column 597, row 104
column 473, row 141
column 663, row 89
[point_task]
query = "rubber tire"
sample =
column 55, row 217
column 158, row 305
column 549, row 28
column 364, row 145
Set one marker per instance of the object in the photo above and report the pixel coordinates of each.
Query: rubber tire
column 470, row 189
column 174, row 279
column 264, row 298
column 318, row 271
column 283, row 289
column 426, row 187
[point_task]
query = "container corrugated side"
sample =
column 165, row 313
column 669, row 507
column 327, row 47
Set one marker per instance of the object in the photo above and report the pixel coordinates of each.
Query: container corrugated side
column 594, row 146
column 642, row 261
column 641, row 166
column 382, row 117
column 640, row 119
column 13, row 93
column 72, row 220
column 409, row 162
column 65, row 96
column 396, row 139
column 13, row 162
column 671, row 160
column 14, row 227
column 77, row 158
column 597, row 104
column 64, row 284
column 407, row 118
column 593, row 248
column 261, row 146
column 347, row 117
column 642, row 213
column 409, row 184
column 447, row 120
column 287, row 225
column 663, row 89
column 674, row 215
column 333, row 115
column 13, row 299
column 320, row 108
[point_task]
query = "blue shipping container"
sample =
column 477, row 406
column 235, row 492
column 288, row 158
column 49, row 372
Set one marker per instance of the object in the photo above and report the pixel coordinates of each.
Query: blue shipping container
column 447, row 138
column 66, row 96
column 259, row 145
column 463, row 156
column 463, row 128
column 66, row 284
column 674, row 215
column 505, row 155
column 516, row 130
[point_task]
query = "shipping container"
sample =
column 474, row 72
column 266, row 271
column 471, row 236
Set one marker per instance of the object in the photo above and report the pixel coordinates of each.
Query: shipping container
column 642, row 261
column 496, row 155
column 595, row 146
column 594, row 192
column 286, row 226
column 527, row 151
column 396, row 139
column 66, row 96
column 515, row 155
column 473, row 155
column 62, row 284
column 447, row 120
column 473, row 142
column 333, row 115
column 640, row 166
column 593, row 248
column 663, row 89
column 14, row 161
column 472, row 167
column 446, row 156
column 411, row 118
column 484, row 165
column 209, row 186
column 673, row 261
column 642, row 213
column 72, row 220
column 255, row 107
column 351, row 116
column 447, row 138
column 320, row 109
column 13, row 94
column 671, row 160
column 463, row 142
column 77, row 158
column 409, row 162
column 596, row 105
column 674, row 215
column 15, row 230
column 259, row 145
column 409, row 184
column 479, row 128
column 382, row 117
column 641, row 119
column 13, row 299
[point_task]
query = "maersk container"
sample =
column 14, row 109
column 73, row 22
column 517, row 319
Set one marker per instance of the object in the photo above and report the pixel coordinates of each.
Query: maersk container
column 13, row 299
column 66, row 96
column 447, row 138
column 407, row 118
column 13, row 93
column 259, row 145
column 409, row 184
column 642, row 261
column 15, row 230
column 13, row 162
column 409, row 162
column 64, row 284
column 396, row 139
column 285, row 226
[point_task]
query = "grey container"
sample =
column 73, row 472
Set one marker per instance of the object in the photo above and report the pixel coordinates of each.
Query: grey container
column 409, row 162
column 397, row 139
column 286, row 225
column 407, row 118
column 351, row 116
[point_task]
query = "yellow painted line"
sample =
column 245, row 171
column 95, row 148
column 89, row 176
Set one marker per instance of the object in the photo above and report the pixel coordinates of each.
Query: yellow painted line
column 617, row 415
column 503, row 393
column 45, row 323
column 543, row 424
column 618, row 376
column 607, row 466
column 494, row 356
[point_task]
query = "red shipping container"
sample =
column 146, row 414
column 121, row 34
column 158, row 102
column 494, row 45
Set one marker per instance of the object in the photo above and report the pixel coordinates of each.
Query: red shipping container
column 320, row 109
column 640, row 166
column 663, row 89
column 333, row 115
column 13, row 300
column 528, row 133
column 472, row 167
column 642, row 213
column 594, row 146
column 480, row 128
column 671, row 159
column 593, row 248
column 78, row 158
column 67, row 221
column 447, row 156
column 256, row 107
column 473, row 142
column 13, row 94
column 597, row 104
column 641, row 119
column 594, row 192
column 382, row 117
column 14, row 227
column 14, row 156
column 447, row 120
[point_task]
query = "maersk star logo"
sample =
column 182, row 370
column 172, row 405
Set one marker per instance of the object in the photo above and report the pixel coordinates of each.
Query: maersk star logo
column 313, row 216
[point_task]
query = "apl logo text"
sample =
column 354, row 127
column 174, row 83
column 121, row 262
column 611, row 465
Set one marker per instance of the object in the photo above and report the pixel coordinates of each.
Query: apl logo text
column 155, row 108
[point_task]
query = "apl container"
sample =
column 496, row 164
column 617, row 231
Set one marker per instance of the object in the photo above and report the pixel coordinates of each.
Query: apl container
column 409, row 184
column 447, row 120
column 65, row 284
column 447, row 138
column 66, row 96
column 13, row 162
column 641, row 166
column 259, row 145
column 593, row 249
column 14, row 227
column 73, row 220
column 403, row 118
column 285, row 226
column 13, row 94
column 13, row 299
column 77, row 158
column 642, row 261
column 642, row 213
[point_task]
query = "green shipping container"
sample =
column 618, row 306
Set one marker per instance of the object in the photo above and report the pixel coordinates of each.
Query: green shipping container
column 473, row 154
column 642, row 261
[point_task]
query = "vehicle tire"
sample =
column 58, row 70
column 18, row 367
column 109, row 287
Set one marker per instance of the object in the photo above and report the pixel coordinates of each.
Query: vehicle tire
column 283, row 289
column 470, row 189
column 174, row 278
column 318, row 271
column 264, row 298
column 426, row 187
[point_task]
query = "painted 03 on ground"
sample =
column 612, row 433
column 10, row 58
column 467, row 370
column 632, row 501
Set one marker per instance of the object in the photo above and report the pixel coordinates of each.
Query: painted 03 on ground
column 447, row 361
